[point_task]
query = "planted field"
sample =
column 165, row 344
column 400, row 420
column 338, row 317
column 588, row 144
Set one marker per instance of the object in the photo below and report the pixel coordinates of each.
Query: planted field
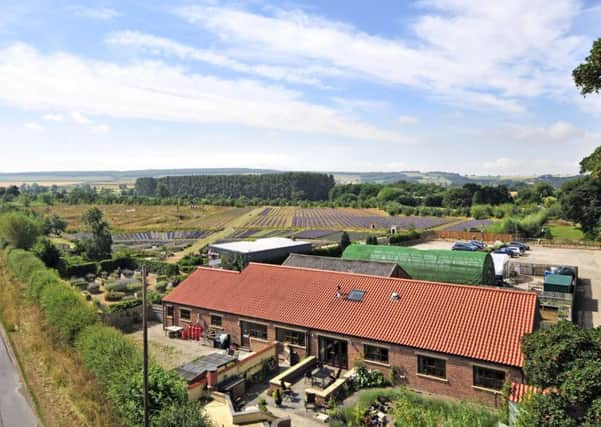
column 469, row 224
column 339, row 218
column 127, row 218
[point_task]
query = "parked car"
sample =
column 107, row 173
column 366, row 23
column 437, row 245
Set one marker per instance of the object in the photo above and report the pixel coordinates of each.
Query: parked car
column 464, row 246
column 512, row 252
column 519, row 249
column 520, row 245
column 478, row 244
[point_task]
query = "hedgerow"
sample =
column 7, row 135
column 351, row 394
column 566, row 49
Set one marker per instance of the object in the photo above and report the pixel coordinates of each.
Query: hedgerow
column 106, row 352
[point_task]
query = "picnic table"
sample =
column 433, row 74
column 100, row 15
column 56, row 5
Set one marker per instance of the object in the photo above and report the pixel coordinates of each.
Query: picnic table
column 321, row 375
column 173, row 331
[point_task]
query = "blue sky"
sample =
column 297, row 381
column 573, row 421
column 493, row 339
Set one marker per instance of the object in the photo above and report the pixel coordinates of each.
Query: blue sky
column 476, row 87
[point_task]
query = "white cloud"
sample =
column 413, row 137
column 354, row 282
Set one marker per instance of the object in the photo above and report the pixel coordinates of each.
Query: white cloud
column 34, row 126
column 101, row 129
column 101, row 14
column 559, row 132
column 54, row 117
column 156, row 91
column 80, row 118
column 485, row 54
column 408, row 120
column 529, row 167
column 169, row 48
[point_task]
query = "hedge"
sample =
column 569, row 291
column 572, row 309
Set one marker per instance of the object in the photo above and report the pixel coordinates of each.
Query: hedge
column 80, row 270
column 106, row 352
column 40, row 280
column 110, row 265
column 158, row 267
column 24, row 264
column 66, row 311
column 124, row 305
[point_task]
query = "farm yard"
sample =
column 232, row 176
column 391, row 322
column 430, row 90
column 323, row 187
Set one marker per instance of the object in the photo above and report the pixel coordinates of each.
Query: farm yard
column 138, row 218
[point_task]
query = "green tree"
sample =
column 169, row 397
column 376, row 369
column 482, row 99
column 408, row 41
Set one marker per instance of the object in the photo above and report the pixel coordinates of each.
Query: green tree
column 47, row 252
column 581, row 202
column 371, row 240
column 188, row 414
column 19, row 230
column 54, row 224
column 165, row 389
column 587, row 76
column 99, row 246
column 592, row 164
column 544, row 410
column 345, row 241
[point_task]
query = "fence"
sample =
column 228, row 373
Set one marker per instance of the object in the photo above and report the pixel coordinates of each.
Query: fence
column 531, row 269
column 466, row 235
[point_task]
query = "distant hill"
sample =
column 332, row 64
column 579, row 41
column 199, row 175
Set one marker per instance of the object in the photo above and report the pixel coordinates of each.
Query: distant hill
column 436, row 177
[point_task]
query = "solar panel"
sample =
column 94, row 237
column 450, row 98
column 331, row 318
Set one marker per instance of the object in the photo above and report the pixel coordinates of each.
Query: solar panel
column 356, row 295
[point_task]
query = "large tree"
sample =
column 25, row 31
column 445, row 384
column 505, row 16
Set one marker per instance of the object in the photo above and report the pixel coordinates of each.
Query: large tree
column 99, row 246
column 19, row 230
column 581, row 202
column 587, row 75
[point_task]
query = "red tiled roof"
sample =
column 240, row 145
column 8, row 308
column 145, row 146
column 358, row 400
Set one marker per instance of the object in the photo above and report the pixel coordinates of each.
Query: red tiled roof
column 472, row 321
column 519, row 391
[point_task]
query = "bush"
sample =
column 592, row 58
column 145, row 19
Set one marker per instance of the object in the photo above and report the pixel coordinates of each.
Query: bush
column 161, row 286
column 114, row 296
column 188, row 414
column 23, row 264
column 107, row 353
column 366, row 378
column 66, row 311
column 80, row 270
column 79, row 283
column 127, row 285
column 48, row 253
column 158, row 267
column 133, row 287
column 124, row 305
column 93, row 288
column 40, row 280
column 122, row 262
column 19, row 230
column 404, row 237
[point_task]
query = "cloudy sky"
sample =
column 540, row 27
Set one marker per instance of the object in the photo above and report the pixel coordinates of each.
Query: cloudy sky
column 477, row 87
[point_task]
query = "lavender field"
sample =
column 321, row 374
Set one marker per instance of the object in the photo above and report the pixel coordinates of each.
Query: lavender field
column 469, row 224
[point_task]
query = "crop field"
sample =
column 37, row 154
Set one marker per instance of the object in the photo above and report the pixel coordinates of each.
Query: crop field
column 480, row 224
column 339, row 218
column 136, row 218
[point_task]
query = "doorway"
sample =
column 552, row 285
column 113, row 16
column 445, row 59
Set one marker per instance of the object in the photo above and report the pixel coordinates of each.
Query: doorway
column 333, row 352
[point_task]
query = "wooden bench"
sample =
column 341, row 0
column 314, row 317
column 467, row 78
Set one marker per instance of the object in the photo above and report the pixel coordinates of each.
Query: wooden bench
column 292, row 373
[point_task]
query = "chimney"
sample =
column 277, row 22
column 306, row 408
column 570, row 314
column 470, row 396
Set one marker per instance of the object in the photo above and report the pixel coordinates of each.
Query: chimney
column 338, row 293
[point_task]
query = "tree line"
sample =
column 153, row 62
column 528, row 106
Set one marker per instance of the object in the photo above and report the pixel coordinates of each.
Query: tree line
column 290, row 186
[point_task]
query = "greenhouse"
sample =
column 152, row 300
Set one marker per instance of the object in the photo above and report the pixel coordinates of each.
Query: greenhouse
column 469, row 268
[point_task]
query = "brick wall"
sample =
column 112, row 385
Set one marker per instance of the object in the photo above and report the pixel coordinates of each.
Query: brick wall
column 459, row 371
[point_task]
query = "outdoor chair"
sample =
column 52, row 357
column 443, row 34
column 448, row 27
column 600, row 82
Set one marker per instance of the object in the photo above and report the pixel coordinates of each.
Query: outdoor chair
column 310, row 401
column 308, row 377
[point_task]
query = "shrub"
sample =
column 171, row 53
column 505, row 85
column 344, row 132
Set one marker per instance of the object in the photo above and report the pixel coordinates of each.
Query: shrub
column 19, row 230
column 93, row 288
column 79, row 283
column 40, row 280
column 161, row 286
column 24, row 264
column 107, row 353
column 188, row 414
column 158, row 267
column 48, row 253
column 133, row 287
column 124, row 305
column 66, row 311
column 114, row 296
column 79, row 270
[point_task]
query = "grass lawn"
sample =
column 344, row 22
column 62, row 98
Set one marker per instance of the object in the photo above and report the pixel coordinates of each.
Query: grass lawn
column 566, row 232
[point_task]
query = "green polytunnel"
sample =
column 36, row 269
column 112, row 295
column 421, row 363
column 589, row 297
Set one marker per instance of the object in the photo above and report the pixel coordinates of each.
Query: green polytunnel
column 463, row 267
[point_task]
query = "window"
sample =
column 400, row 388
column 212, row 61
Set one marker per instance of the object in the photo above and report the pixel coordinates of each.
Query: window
column 215, row 320
column 254, row 330
column 184, row 314
column 170, row 310
column 356, row 295
column 375, row 354
column 290, row 336
column 488, row 378
column 432, row 366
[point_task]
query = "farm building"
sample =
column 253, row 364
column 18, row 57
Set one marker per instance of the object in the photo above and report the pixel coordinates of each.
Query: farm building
column 460, row 341
column 372, row 268
column 260, row 250
column 463, row 267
